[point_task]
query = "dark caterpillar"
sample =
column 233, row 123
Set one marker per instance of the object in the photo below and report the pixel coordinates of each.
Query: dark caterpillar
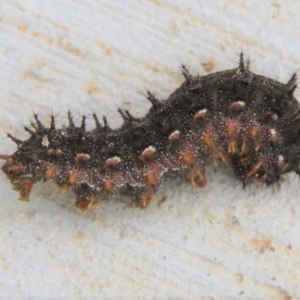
column 242, row 119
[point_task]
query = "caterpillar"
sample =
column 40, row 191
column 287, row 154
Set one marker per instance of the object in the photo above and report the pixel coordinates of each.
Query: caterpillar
column 247, row 121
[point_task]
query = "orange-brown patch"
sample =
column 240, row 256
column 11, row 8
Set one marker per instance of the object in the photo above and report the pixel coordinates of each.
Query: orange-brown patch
column 232, row 146
column 257, row 146
column 208, row 140
column 84, row 203
column 255, row 168
column 151, row 178
column 253, row 132
column 26, row 189
column 72, row 178
column 259, row 245
column 108, row 185
column 174, row 137
column 231, row 128
column 111, row 164
column 82, row 158
column 16, row 168
column 144, row 200
column 148, row 154
column 200, row 115
column 188, row 159
column 210, row 65
column 197, row 178
column 48, row 173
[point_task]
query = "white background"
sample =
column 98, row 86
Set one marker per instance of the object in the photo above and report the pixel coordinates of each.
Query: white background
column 222, row 241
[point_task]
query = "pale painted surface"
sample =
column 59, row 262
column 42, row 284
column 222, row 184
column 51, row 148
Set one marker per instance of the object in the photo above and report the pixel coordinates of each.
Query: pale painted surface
column 221, row 242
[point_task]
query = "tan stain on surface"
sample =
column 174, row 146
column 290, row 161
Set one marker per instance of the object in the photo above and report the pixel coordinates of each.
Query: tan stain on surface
column 23, row 27
column 260, row 245
column 239, row 278
column 41, row 36
column 106, row 50
column 209, row 66
column 156, row 2
column 79, row 235
column 91, row 88
column 68, row 47
column 283, row 295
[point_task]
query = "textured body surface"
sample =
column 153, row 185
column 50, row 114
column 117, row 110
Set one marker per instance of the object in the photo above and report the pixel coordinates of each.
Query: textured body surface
column 221, row 241
column 248, row 121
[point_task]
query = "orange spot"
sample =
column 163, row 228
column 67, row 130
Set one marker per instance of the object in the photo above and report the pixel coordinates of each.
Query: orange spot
column 188, row 159
column 108, row 185
column 151, row 178
column 257, row 147
column 253, row 132
column 232, row 147
column 200, row 116
column 111, row 164
column 72, row 178
column 144, row 200
column 82, row 158
column 197, row 178
column 174, row 137
column 255, row 168
column 245, row 160
column 223, row 158
column 48, row 174
column 25, row 189
column 16, row 168
column 148, row 154
column 231, row 128
column 244, row 146
column 84, row 203
column 236, row 106
column 208, row 140
column 63, row 188
column 214, row 161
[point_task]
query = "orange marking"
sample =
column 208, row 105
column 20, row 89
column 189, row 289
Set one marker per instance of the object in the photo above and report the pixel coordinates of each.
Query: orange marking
column 174, row 137
column 82, row 158
column 72, row 178
column 151, row 178
column 63, row 188
column 49, row 173
column 232, row 147
column 244, row 146
column 188, row 159
column 223, row 158
column 197, row 178
column 214, row 161
column 245, row 160
column 231, row 128
column 144, row 200
column 255, row 168
column 5, row 157
column 200, row 114
column 208, row 140
column 257, row 147
column 112, row 163
column 253, row 132
column 16, row 167
column 85, row 203
column 26, row 189
column 148, row 154
column 108, row 185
